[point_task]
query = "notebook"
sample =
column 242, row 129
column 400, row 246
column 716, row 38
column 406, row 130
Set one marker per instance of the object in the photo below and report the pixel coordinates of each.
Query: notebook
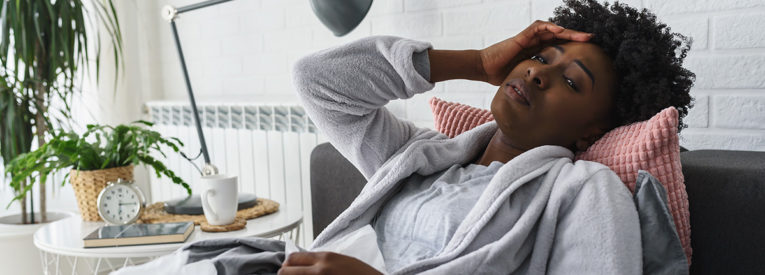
column 136, row 234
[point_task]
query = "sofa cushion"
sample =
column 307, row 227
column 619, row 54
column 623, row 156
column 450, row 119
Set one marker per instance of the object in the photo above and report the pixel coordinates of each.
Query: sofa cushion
column 726, row 192
column 335, row 183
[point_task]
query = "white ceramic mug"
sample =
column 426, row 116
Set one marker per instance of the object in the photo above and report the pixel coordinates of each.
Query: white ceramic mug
column 219, row 199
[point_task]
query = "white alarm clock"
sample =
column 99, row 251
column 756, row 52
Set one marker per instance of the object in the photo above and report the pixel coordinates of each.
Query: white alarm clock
column 120, row 202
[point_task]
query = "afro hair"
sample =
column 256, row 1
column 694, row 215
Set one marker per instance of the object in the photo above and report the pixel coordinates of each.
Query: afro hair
column 647, row 57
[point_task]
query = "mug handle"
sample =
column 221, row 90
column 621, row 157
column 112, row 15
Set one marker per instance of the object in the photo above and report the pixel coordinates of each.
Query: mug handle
column 209, row 192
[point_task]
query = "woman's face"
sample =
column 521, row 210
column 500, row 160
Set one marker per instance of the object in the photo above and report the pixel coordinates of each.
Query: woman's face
column 561, row 96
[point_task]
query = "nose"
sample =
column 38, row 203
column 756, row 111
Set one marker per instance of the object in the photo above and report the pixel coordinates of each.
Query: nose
column 537, row 75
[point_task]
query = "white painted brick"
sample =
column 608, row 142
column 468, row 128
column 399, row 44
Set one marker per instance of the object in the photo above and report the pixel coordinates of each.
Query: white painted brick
column 237, row 7
column 467, row 86
column 205, row 87
column 188, row 30
column 418, row 5
column 698, row 115
column 664, row 7
column 323, row 37
column 221, row 26
column 739, row 111
column 281, row 83
column 495, row 17
column 293, row 38
column 246, row 44
column 223, row 66
column 301, row 16
column 739, row 31
column 204, row 48
column 408, row 25
column 496, row 38
column 697, row 139
column 728, row 71
column 386, row 7
column 397, row 107
column 265, row 63
column 417, row 107
column 264, row 19
column 695, row 27
column 269, row 4
column 243, row 85
column 456, row 42
column 543, row 9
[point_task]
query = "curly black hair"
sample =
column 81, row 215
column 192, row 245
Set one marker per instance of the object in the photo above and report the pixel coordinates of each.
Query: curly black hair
column 647, row 57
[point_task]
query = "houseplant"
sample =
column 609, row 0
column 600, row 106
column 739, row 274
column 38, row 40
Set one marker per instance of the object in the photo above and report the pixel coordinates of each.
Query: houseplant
column 43, row 47
column 100, row 154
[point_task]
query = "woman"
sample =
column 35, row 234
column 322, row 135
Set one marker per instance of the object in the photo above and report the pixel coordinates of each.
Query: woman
column 505, row 197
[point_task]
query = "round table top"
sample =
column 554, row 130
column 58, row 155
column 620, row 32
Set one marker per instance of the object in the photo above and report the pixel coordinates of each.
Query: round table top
column 64, row 237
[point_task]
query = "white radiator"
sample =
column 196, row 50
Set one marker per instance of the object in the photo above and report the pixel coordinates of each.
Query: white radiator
column 267, row 146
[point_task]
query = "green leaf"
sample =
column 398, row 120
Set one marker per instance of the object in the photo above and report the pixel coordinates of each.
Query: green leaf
column 109, row 147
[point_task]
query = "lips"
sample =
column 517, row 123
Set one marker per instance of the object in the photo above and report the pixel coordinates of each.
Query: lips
column 516, row 90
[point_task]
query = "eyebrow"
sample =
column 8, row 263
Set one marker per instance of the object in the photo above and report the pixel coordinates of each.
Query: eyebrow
column 584, row 68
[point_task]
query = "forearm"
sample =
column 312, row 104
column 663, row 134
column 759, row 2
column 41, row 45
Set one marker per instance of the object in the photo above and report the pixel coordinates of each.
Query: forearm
column 450, row 64
column 344, row 89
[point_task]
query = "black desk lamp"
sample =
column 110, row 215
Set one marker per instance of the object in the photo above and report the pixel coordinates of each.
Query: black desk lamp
column 340, row 16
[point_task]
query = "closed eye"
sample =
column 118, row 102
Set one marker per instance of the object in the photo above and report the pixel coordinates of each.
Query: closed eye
column 539, row 59
column 571, row 83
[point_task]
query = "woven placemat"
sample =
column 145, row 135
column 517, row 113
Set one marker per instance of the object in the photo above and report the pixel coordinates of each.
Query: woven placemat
column 156, row 213
column 238, row 224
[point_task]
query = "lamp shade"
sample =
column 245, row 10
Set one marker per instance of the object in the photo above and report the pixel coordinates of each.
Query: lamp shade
column 341, row 16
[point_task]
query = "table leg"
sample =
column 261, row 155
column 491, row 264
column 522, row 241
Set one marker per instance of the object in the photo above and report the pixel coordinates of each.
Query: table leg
column 74, row 266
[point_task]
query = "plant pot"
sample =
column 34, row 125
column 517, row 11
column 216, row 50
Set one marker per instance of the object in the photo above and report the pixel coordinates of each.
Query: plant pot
column 87, row 185
column 19, row 254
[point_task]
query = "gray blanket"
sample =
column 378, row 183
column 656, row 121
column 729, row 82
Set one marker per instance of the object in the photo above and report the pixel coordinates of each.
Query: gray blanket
column 217, row 256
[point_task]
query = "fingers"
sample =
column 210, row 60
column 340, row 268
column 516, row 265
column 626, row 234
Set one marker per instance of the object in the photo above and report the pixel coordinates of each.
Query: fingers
column 297, row 270
column 545, row 31
column 573, row 35
column 301, row 259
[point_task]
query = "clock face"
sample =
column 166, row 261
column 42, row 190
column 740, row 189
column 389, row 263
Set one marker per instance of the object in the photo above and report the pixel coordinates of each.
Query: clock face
column 119, row 204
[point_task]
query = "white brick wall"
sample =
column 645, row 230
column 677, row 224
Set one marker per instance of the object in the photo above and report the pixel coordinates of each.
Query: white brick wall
column 243, row 50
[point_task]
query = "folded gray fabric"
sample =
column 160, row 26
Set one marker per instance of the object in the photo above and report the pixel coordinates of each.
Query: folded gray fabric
column 239, row 256
column 662, row 251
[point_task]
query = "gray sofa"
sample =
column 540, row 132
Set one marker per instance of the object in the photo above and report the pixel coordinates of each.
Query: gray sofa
column 726, row 193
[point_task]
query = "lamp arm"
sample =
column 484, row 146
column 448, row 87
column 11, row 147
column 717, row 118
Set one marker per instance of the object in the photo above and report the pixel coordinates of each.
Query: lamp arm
column 200, row 5
column 170, row 13
column 194, row 111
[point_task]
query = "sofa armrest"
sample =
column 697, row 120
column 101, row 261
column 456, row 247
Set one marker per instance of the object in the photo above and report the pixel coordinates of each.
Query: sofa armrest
column 335, row 182
column 726, row 196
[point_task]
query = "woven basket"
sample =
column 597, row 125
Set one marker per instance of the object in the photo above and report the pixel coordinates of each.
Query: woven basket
column 87, row 185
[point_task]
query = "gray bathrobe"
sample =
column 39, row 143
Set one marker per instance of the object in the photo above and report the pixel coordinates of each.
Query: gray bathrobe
column 541, row 213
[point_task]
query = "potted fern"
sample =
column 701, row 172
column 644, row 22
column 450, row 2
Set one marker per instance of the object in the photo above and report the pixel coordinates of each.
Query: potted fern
column 101, row 154
column 44, row 45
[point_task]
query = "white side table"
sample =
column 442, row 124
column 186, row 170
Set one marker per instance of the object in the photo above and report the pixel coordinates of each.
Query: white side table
column 61, row 246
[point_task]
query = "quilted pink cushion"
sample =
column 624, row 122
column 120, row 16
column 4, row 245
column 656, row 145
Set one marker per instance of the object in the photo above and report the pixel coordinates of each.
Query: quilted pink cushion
column 455, row 118
column 650, row 145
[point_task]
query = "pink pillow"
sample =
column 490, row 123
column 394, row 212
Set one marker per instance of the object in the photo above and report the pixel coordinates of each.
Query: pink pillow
column 650, row 145
column 454, row 118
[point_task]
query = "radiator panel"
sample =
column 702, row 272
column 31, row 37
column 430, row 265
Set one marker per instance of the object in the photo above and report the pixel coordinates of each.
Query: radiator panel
column 267, row 146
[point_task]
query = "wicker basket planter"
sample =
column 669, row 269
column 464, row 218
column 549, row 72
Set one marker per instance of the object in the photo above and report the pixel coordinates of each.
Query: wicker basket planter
column 87, row 185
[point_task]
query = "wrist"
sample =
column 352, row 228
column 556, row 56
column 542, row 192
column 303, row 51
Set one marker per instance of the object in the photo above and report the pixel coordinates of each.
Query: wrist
column 451, row 64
